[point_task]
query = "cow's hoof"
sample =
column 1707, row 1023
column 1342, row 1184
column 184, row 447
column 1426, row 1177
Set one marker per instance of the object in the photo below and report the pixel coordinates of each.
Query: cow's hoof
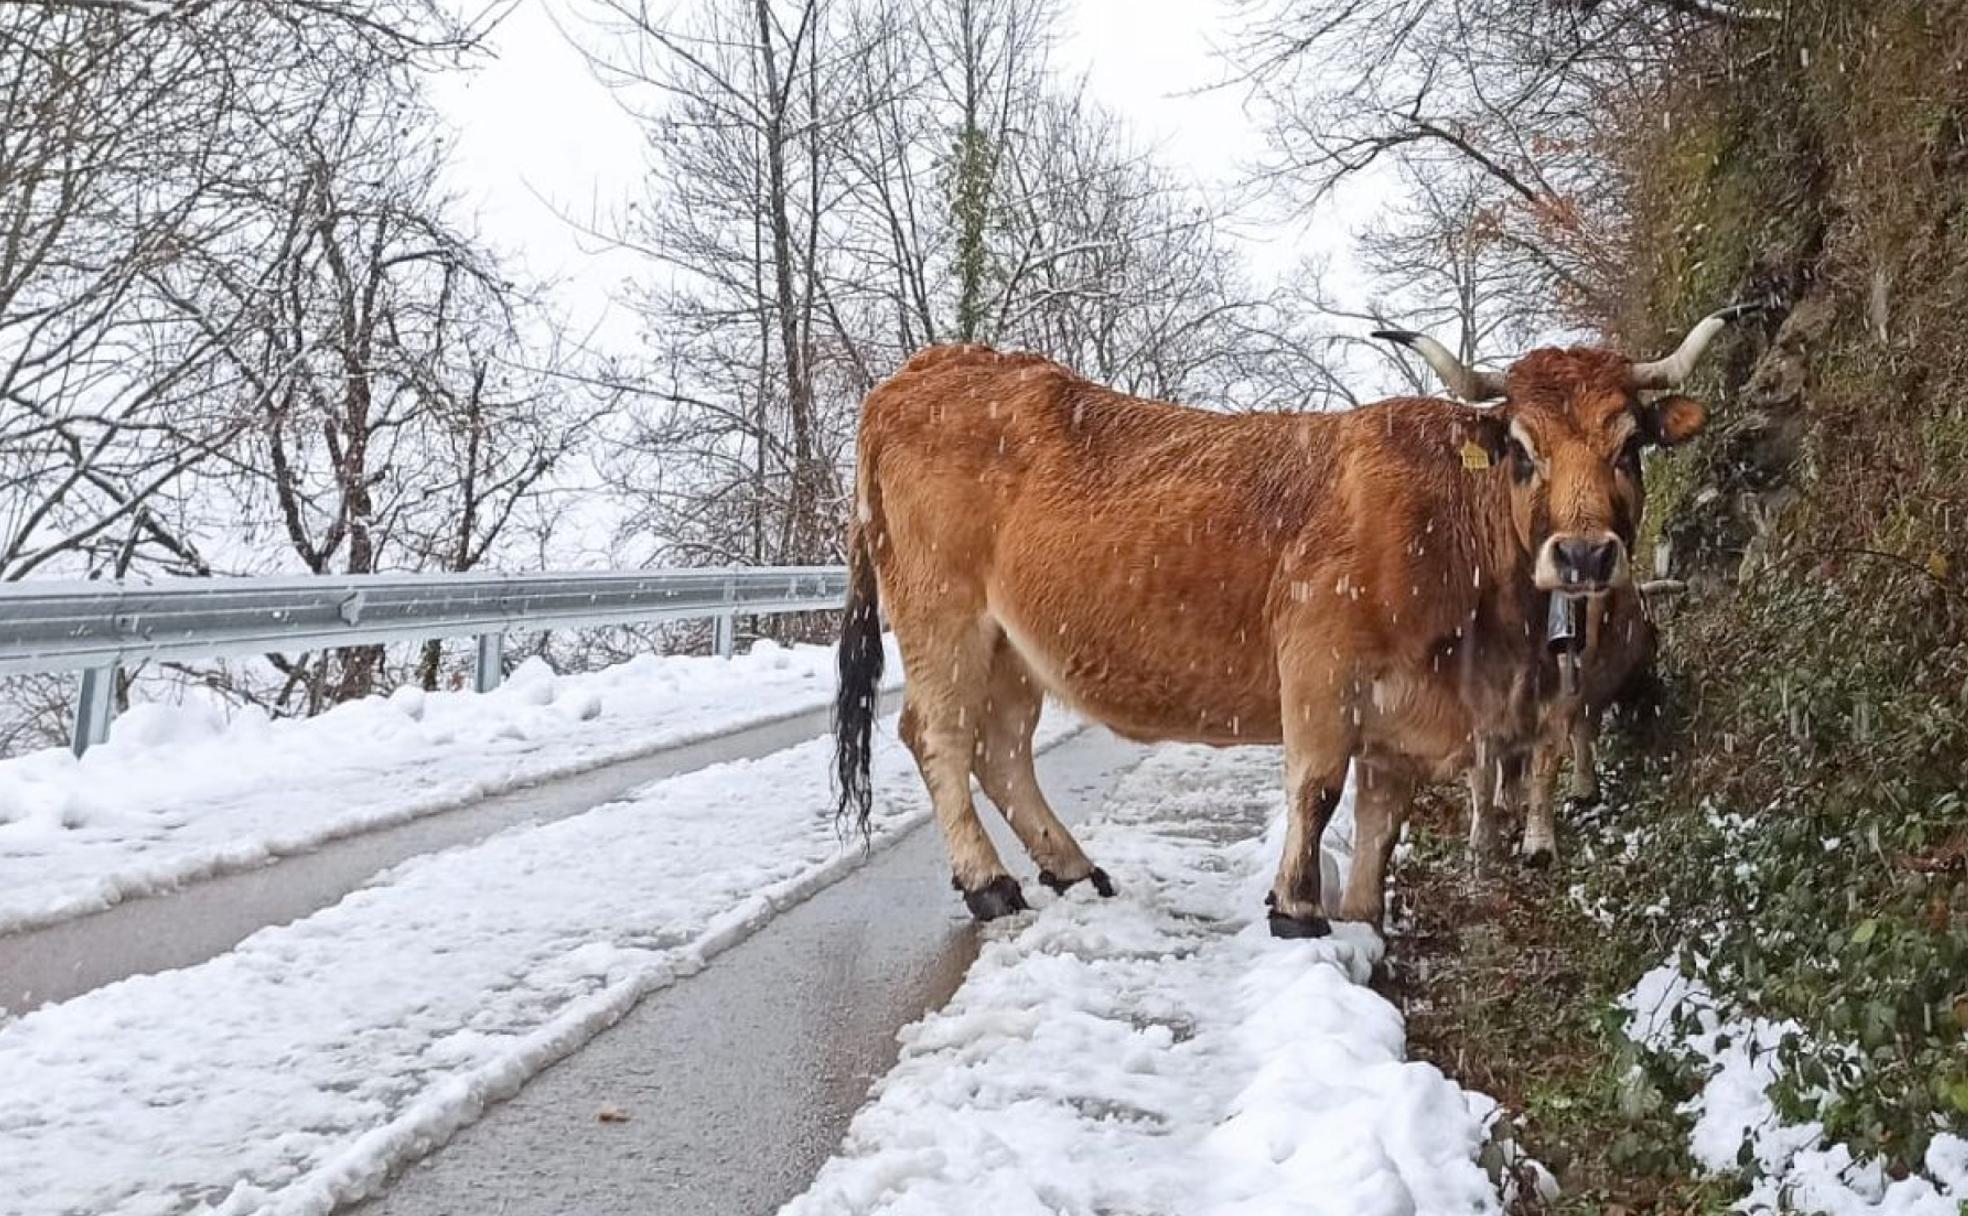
column 1540, row 858
column 1293, row 928
column 1101, row 883
column 999, row 897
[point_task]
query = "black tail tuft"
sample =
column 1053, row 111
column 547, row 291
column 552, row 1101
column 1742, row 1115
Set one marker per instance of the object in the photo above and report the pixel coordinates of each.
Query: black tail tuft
column 860, row 659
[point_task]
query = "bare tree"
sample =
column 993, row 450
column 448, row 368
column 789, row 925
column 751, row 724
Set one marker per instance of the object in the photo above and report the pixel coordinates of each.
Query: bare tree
column 1110, row 265
column 987, row 61
column 126, row 131
column 1510, row 93
column 385, row 422
column 740, row 100
column 1444, row 262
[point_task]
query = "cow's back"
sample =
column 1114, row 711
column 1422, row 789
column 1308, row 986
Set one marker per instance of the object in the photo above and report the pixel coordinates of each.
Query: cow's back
column 1126, row 546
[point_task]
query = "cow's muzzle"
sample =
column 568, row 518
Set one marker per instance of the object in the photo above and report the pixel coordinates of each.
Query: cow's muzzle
column 1581, row 563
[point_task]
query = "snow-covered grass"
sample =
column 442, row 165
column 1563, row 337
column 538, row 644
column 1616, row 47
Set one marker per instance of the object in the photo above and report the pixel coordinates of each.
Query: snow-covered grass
column 181, row 792
column 1797, row 1170
column 290, row 1074
column 1161, row 1053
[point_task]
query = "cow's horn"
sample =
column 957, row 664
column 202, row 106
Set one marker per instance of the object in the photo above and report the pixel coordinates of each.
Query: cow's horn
column 1671, row 371
column 1463, row 381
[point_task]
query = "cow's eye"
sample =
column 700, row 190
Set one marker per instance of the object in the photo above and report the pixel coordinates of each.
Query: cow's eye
column 1521, row 464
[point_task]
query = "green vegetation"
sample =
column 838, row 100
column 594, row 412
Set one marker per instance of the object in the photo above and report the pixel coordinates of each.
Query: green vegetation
column 1793, row 818
column 1807, row 832
column 1511, row 988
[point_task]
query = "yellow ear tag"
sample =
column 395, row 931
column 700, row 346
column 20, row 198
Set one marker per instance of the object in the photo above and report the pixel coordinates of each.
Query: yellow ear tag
column 1474, row 455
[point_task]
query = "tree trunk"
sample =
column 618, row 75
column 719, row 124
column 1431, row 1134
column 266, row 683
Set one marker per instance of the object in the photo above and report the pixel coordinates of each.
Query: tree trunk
column 807, row 482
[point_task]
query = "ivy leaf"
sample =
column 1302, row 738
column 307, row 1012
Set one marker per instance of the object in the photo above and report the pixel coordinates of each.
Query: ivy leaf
column 1867, row 930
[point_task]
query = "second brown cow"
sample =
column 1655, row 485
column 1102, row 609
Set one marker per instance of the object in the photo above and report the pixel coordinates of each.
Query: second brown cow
column 1614, row 654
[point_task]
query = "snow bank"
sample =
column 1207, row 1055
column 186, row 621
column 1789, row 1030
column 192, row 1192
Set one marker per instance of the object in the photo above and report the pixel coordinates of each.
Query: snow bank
column 180, row 792
column 1160, row 1052
column 1799, row 1172
column 290, row 1075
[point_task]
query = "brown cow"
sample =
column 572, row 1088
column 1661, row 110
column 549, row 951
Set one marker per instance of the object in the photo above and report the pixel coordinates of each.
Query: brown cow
column 1618, row 649
column 1615, row 648
column 1364, row 587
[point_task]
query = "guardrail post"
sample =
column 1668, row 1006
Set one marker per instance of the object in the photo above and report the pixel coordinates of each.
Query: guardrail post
column 490, row 665
column 724, row 632
column 95, row 703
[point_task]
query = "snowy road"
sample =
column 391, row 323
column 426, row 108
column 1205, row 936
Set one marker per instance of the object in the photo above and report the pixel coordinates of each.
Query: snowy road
column 1153, row 1053
column 292, row 1073
column 1157, row 1053
column 738, row 1084
column 201, row 920
column 182, row 793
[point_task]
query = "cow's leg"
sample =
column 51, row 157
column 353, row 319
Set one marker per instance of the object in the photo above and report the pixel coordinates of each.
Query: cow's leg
column 1004, row 769
column 1312, row 792
column 1380, row 806
column 1540, row 847
column 1513, row 770
column 1585, row 759
column 1318, row 746
column 943, row 706
column 1485, row 821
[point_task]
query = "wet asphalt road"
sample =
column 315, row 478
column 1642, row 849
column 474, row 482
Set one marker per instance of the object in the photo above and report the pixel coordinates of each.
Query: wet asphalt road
column 738, row 1082
column 209, row 917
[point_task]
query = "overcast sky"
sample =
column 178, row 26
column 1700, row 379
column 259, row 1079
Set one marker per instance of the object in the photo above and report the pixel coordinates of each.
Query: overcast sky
column 536, row 134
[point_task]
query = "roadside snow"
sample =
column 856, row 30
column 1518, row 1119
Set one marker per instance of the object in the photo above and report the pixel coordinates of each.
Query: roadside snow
column 1800, row 1172
column 1160, row 1052
column 178, row 793
column 291, row 1074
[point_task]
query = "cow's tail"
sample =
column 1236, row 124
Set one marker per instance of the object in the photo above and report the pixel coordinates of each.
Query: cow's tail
column 860, row 660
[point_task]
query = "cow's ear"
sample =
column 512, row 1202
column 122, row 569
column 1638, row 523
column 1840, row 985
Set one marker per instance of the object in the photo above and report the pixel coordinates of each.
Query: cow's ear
column 1675, row 419
column 1482, row 438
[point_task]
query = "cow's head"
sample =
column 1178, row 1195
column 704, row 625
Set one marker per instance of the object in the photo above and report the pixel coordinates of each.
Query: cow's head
column 1568, row 434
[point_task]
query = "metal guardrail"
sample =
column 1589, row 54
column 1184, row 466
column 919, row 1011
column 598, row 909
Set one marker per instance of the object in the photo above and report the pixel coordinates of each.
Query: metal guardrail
column 97, row 627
